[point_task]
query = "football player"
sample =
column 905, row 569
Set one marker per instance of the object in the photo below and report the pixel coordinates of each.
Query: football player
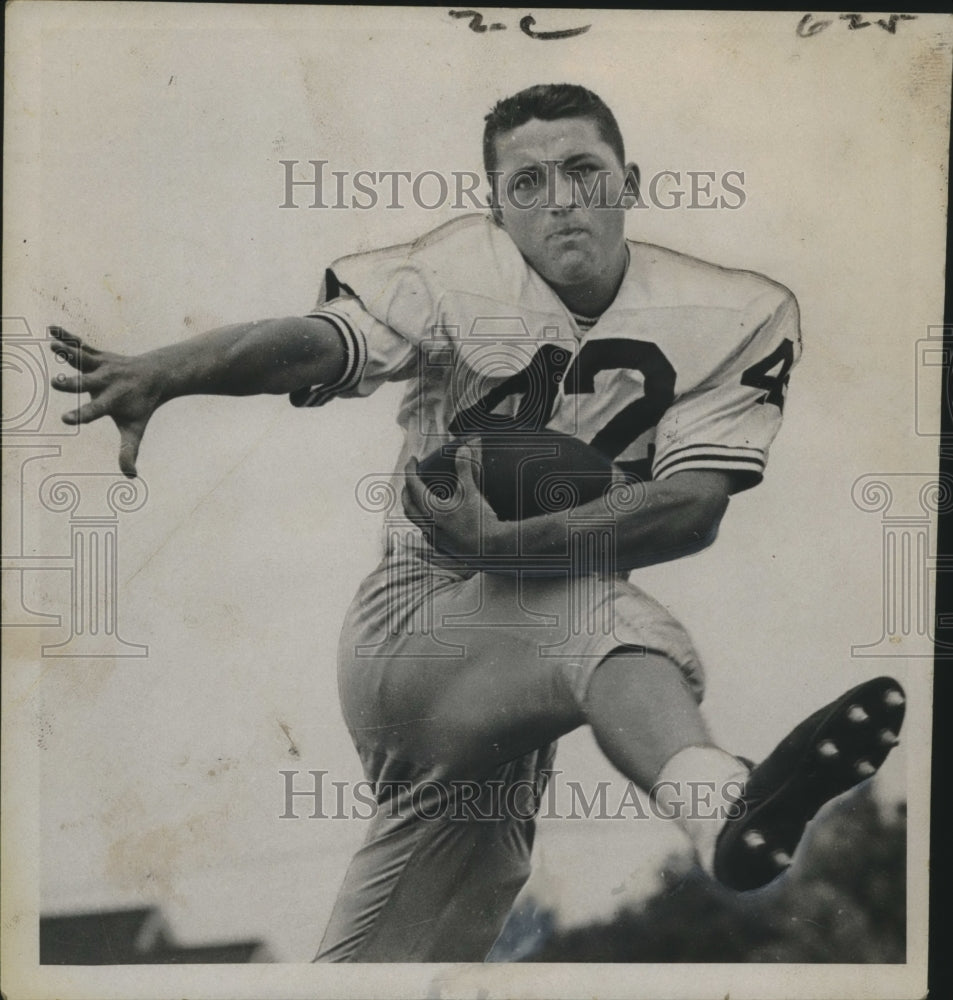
column 459, row 670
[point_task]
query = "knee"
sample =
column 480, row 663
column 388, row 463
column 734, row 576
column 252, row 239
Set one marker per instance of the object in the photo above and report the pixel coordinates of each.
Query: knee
column 636, row 665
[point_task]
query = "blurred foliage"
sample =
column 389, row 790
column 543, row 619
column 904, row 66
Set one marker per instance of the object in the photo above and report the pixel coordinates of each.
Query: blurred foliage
column 843, row 900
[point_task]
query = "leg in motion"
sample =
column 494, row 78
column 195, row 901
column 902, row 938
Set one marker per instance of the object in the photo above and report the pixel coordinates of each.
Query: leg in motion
column 646, row 719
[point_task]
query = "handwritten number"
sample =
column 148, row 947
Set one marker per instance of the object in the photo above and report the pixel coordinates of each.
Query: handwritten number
column 891, row 25
column 527, row 23
column 856, row 21
column 476, row 21
column 807, row 27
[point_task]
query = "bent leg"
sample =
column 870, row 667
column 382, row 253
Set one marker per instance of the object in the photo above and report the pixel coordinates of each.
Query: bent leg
column 440, row 889
column 642, row 713
column 622, row 664
column 448, row 854
column 647, row 721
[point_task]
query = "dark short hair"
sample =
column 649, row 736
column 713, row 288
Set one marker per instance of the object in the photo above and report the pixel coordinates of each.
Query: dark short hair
column 549, row 102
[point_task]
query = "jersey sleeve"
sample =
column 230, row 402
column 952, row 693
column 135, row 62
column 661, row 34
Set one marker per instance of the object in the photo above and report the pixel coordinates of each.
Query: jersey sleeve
column 727, row 423
column 375, row 353
column 387, row 303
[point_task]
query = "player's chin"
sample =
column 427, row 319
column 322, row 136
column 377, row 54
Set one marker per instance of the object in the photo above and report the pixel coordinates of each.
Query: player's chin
column 571, row 267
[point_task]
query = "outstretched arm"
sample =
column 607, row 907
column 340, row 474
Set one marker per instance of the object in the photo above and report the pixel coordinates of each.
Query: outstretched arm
column 671, row 518
column 267, row 356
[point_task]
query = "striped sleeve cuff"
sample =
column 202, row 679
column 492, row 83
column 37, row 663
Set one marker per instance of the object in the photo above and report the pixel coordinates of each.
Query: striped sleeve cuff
column 711, row 456
column 355, row 351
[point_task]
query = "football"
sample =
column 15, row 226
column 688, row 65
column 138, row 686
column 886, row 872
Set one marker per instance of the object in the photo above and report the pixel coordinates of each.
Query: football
column 524, row 474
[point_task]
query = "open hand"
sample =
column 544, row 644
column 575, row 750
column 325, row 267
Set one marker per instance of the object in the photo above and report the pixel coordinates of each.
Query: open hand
column 124, row 387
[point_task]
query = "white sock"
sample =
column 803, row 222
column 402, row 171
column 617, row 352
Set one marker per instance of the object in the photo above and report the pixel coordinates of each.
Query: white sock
column 697, row 787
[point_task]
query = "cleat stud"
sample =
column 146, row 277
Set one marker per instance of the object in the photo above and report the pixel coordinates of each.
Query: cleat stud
column 888, row 738
column 864, row 768
column 754, row 839
column 828, row 749
column 856, row 714
column 781, row 858
column 894, row 698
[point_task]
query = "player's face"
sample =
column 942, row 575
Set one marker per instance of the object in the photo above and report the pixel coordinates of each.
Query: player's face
column 562, row 197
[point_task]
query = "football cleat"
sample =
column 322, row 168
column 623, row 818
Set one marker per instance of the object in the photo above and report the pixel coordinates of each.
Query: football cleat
column 888, row 738
column 826, row 755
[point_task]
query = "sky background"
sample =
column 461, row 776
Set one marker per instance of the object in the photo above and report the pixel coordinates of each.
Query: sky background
column 143, row 183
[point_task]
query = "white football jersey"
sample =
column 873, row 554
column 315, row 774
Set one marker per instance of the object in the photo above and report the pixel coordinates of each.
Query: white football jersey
column 687, row 369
